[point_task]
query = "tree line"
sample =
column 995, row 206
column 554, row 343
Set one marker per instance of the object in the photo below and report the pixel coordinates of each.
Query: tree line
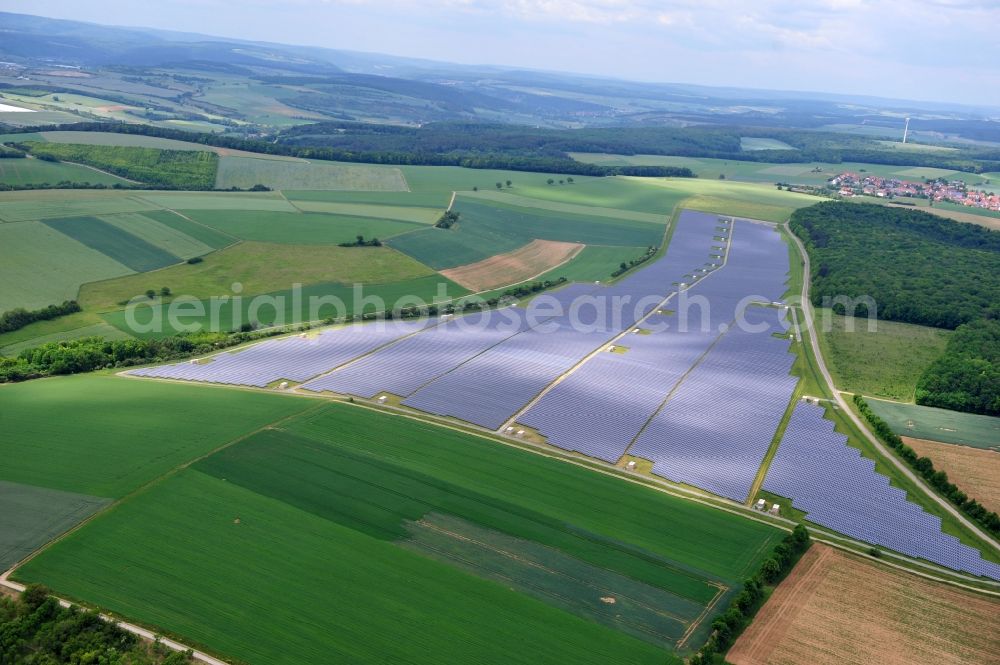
column 36, row 630
column 540, row 163
column 925, row 467
column 15, row 319
column 168, row 169
column 918, row 267
column 728, row 626
column 967, row 376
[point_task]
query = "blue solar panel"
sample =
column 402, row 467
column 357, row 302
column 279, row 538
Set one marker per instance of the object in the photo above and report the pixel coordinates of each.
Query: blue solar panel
column 841, row 490
column 293, row 358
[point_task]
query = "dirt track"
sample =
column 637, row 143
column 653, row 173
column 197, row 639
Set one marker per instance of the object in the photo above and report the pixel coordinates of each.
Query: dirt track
column 975, row 471
column 528, row 262
column 835, row 608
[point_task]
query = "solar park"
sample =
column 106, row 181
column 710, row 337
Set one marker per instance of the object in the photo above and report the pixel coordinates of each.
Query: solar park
column 647, row 383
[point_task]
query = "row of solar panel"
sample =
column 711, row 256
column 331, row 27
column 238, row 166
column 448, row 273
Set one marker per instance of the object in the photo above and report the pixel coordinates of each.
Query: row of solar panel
column 841, row 490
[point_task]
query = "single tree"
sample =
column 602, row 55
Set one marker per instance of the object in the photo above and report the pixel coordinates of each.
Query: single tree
column 509, row 183
column 165, row 291
column 150, row 293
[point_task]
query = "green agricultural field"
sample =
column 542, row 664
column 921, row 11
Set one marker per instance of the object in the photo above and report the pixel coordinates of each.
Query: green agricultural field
column 163, row 236
column 928, row 422
column 27, row 171
column 40, row 266
column 245, row 172
column 298, row 227
column 509, row 198
column 736, row 198
column 437, row 200
column 313, row 302
column 44, row 204
column 114, row 242
column 180, row 169
column 800, row 173
column 488, row 228
column 261, row 268
column 32, row 516
column 444, row 180
column 124, row 140
column 54, row 327
column 594, row 263
column 635, row 194
column 395, row 212
column 203, row 234
column 237, row 572
column 106, row 436
column 215, row 201
column 884, row 363
column 368, row 517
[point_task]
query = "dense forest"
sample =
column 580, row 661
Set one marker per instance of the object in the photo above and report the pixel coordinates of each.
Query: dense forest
column 165, row 169
column 480, row 160
column 463, row 138
column 521, row 148
column 918, row 268
column 967, row 376
column 36, row 630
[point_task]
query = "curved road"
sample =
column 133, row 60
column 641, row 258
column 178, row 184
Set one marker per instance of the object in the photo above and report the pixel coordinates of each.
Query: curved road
column 885, row 452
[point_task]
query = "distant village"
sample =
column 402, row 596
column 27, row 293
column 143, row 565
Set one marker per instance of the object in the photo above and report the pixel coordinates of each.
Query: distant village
column 939, row 190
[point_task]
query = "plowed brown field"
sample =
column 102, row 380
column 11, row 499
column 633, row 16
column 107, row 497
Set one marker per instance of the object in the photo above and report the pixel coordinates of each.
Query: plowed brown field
column 974, row 470
column 835, row 608
column 524, row 263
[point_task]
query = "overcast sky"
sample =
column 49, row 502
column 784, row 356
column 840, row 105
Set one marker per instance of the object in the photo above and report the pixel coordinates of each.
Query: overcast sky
column 945, row 50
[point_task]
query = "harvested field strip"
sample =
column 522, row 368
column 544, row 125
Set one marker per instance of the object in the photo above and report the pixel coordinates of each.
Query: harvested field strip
column 528, row 262
column 890, row 617
column 114, row 243
column 32, row 516
column 159, row 235
column 975, row 471
column 232, row 570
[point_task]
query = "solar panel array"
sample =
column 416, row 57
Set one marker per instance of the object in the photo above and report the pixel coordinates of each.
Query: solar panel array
column 291, row 358
column 603, row 405
column 840, row 489
column 493, row 386
column 715, row 430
